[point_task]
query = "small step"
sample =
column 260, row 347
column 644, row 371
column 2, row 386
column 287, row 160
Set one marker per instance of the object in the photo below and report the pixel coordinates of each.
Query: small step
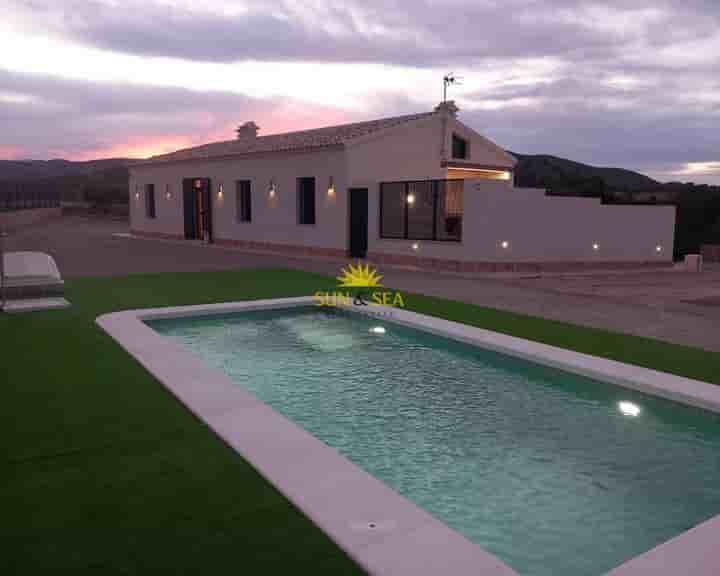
column 34, row 304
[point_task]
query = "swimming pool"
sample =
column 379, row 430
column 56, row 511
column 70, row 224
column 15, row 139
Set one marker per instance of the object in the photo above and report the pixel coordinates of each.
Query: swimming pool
column 552, row 472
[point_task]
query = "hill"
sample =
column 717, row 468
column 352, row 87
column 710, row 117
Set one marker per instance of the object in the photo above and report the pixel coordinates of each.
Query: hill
column 97, row 181
column 24, row 170
column 568, row 178
column 104, row 182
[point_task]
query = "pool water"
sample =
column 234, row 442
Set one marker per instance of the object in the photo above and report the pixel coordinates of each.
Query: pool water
column 553, row 473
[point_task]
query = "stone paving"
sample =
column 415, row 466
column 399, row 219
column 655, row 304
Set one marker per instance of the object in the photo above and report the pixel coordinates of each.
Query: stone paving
column 671, row 305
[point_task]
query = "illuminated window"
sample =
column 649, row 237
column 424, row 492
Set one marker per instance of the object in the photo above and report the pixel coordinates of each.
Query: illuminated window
column 436, row 212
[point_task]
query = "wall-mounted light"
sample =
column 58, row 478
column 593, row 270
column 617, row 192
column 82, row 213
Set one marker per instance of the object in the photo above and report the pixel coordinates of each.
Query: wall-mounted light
column 596, row 246
column 137, row 191
column 410, row 198
column 168, row 194
column 331, row 187
column 272, row 190
column 505, row 244
column 415, row 246
column 658, row 248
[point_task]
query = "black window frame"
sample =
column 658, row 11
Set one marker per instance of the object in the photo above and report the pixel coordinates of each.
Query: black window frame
column 459, row 143
column 306, row 201
column 150, row 202
column 243, row 199
column 436, row 237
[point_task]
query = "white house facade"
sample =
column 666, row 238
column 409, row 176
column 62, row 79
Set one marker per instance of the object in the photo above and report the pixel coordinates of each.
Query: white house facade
column 422, row 190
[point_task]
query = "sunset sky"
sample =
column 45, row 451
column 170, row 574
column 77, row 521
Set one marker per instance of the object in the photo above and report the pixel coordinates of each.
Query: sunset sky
column 631, row 83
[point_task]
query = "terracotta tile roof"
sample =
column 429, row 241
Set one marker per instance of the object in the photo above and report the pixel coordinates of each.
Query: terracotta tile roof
column 301, row 140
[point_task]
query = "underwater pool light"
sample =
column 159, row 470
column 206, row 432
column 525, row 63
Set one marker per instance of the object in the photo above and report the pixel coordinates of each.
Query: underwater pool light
column 629, row 409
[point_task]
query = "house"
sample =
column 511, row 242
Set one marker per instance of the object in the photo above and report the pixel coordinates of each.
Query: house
column 421, row 189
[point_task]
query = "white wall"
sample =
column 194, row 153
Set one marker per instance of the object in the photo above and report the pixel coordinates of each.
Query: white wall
column 408, row 152
column 273, row 220
column 540, row 228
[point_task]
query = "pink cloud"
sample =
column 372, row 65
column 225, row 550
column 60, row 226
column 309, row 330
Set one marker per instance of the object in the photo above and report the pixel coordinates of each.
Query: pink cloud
column 286, row 116
column 10, row 152
column 136, row 147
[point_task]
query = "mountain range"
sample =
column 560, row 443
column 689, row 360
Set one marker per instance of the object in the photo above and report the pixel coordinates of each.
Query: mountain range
column 105, row 181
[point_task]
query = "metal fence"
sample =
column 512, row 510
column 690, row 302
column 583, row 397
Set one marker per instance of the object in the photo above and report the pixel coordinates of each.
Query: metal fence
column 25, row 197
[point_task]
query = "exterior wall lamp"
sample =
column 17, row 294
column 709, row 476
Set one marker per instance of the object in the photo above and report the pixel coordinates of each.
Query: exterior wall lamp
column 331, row 187
column 272, row 190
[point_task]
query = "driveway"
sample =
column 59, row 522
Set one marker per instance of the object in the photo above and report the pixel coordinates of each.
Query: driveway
column 673, row 306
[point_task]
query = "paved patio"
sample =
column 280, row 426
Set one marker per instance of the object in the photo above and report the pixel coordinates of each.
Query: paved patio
column 669, row 305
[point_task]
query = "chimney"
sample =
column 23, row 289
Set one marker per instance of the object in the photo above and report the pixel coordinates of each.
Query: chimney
column 247, row 131
column 447, row 107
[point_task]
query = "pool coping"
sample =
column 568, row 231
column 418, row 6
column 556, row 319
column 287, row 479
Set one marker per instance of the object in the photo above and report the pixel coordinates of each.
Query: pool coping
column 381, row 530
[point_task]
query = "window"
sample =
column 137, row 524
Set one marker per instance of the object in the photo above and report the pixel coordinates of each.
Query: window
column 449, row 211
column 150, row 200
column 425, row 210
column 420, row 209
column 459, row 147
column 243, row 201
column 306, row 200
column 392, row 210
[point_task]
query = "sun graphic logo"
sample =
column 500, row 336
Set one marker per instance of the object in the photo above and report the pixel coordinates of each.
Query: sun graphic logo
column 359, row 277
column 358, row 286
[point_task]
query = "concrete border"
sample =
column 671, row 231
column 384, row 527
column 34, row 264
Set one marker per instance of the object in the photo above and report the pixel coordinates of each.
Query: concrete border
column 381, row 530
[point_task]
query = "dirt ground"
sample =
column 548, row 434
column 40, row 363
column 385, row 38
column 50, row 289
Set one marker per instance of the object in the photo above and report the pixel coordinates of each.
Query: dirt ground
column 671, row 305
column 656, row 288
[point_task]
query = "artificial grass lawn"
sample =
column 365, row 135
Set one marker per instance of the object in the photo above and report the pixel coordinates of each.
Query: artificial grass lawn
column 103, row 471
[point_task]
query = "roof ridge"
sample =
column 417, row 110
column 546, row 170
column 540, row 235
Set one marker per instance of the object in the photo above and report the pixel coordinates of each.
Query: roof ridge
column 347, row 124
column 323, row 136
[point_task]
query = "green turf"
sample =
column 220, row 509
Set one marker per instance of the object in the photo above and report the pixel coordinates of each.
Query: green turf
column 102, row 471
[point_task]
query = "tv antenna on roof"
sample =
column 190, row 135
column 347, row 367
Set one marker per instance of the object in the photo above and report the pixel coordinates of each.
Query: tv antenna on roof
column 447, row 80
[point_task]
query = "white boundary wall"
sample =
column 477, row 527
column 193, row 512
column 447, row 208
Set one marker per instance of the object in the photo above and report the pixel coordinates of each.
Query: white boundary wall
column 541, row 228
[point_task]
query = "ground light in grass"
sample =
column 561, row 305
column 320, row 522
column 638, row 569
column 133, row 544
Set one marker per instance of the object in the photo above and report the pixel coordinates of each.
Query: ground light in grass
column 377, row 330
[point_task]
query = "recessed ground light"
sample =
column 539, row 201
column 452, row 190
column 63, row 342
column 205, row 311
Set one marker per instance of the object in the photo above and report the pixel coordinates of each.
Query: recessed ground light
column 629, row 409
column 377, row 330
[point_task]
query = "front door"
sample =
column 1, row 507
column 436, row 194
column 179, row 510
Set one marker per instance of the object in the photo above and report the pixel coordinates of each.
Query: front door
column 358, row 222
column 197, row 209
